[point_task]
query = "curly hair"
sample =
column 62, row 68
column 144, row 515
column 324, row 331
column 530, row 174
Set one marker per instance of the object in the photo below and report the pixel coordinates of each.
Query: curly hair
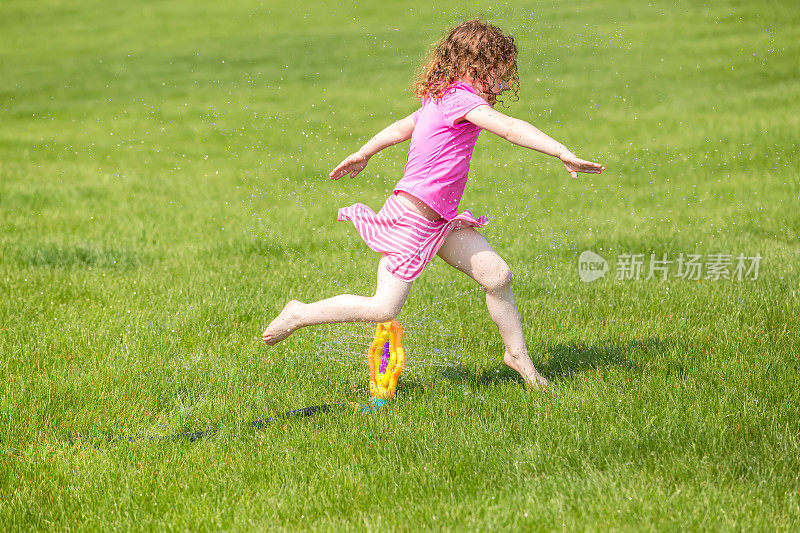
column 473, row 47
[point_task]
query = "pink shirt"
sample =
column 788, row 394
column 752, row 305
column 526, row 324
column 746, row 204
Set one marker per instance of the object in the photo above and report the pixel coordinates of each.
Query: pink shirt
column 440, row 152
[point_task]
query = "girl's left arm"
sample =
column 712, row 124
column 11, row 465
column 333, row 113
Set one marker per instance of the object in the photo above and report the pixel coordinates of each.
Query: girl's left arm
column 526, row 135
column 394, row 133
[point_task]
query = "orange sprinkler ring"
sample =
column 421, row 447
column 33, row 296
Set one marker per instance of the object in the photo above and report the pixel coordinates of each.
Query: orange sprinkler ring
column 386, row 359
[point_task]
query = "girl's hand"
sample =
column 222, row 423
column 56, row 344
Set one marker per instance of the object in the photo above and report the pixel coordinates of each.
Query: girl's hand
column 575, row 164
column 354, row 163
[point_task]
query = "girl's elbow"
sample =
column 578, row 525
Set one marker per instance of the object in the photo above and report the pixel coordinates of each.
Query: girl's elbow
column 510, row 133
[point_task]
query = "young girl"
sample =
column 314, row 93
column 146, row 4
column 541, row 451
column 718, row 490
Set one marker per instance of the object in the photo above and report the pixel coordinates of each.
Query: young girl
column 470, row 67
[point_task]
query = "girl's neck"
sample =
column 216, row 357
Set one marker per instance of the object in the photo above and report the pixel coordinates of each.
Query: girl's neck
column 466, row 78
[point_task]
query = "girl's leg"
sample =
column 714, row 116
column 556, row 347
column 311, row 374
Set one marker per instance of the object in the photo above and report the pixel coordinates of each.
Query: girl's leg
column 384, row 305
column 468, row 251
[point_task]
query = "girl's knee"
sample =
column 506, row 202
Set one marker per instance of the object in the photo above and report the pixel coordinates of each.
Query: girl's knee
column 385, row 309
column 497, row 276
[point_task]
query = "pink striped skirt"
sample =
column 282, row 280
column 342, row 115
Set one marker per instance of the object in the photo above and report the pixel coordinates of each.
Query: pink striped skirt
column 405, row 237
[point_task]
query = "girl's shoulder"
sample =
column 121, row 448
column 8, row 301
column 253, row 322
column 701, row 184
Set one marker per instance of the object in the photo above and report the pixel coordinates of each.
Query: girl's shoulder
column 457, row 100
column 456, row 88
column 452, row 104
column 460, row 92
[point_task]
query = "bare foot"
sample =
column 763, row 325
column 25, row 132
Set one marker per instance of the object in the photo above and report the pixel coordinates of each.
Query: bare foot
column 283, row 325
column 524, row 366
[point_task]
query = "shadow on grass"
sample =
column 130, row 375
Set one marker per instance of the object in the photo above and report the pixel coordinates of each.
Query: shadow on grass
column 564, row 361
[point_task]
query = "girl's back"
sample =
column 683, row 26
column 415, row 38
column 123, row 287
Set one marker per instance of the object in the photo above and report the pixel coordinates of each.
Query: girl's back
column 441, row 149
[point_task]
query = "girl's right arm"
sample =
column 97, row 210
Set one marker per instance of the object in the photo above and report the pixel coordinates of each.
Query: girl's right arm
column 526, row 135
column 394, row 133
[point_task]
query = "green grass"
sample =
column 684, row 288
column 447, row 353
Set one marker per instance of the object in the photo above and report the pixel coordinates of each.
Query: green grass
column 163, row 192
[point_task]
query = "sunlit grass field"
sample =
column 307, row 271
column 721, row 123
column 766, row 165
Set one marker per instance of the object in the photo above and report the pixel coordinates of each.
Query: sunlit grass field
column 164, row 191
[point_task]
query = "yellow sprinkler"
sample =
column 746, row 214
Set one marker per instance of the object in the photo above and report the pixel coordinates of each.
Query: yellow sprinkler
column 386, row 359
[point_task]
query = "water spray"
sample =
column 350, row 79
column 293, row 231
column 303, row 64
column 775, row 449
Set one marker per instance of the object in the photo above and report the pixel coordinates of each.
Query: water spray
column 386, row 359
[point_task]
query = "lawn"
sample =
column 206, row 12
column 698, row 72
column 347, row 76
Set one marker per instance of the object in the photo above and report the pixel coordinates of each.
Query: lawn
column 164, row 191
